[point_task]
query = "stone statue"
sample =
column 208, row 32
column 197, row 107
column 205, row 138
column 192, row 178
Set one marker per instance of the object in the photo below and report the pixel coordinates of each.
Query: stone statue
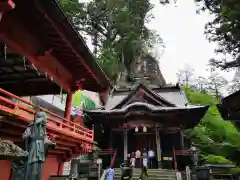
column 37, row 144
column 195, row 155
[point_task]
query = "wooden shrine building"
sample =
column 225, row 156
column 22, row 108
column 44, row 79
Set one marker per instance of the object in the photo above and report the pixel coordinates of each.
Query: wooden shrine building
column 230, row 108
column 145, row 113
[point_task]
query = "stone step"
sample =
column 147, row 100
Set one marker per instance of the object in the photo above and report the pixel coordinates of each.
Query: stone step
column 151, row 170
column 149, row 178
column 153, row 174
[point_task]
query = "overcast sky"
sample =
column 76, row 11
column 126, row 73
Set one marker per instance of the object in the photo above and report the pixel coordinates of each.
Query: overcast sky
column 182, row 31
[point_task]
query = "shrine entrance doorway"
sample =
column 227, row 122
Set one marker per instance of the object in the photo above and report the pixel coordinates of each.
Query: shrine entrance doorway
column 141, row 141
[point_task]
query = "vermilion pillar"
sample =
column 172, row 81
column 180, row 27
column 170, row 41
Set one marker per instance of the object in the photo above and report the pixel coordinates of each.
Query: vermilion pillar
column 68, row 108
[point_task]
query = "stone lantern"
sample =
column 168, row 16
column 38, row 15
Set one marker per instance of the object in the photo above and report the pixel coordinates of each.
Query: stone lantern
column 93, row 174
column 95, row 154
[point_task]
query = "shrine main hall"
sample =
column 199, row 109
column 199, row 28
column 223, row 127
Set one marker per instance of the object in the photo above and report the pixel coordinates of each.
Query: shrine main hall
column 145, row 113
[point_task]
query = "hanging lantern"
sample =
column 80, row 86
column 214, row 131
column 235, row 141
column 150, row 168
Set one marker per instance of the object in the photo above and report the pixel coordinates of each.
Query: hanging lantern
column 136, row 129
column 144, row 129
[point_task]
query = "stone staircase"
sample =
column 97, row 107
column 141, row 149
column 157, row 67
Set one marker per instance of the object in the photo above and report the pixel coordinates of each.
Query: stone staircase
column 153, row 174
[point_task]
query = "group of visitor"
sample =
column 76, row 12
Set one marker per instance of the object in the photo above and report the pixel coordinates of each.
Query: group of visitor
column 138, row 159
column 142, row 159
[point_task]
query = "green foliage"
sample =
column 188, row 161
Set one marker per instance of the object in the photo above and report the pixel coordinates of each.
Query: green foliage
column 212, row 159
column 213, row 135
column 109, row 62
column 79, row 98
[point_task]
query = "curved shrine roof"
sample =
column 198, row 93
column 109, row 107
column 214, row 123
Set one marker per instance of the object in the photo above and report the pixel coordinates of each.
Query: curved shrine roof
column 168, row 106
column 41, row 31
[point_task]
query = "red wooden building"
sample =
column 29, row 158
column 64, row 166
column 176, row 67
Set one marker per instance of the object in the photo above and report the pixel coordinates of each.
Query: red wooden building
column 42, row 53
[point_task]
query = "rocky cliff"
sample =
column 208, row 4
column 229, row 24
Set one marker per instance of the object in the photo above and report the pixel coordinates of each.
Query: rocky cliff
column 144, row 70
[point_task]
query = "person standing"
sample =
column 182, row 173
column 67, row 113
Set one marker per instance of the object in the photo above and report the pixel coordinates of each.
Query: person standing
column 133, row 160
column 151, row 156
column 138, row 158
column 110, row 174
column 145, row 158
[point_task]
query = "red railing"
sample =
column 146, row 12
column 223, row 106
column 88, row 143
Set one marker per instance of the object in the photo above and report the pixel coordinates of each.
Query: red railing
column 183, row 152
column 55, row 122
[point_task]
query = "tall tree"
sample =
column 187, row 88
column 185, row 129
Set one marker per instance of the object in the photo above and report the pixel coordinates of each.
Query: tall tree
column 117, row 28
column 215, row 83
column 224, row 29
column 185, row 75
column 201, row 83
column 235, row 83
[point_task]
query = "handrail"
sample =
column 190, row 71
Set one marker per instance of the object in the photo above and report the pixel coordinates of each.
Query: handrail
column 178, row 176
column 113, row 161
column 188, row 173
column 103, row 175
column 53, row 119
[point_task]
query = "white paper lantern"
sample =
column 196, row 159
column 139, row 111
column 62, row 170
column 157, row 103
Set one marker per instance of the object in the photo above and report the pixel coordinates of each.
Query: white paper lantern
column 136, row 129
column 144, row 129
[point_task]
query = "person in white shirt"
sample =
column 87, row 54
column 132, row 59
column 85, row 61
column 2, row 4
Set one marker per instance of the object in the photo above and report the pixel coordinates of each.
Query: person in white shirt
column 151, row 156
column 133, row 160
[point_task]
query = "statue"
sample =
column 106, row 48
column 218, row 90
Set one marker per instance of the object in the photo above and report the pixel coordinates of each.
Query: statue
column 195, row 155
column 37, row 144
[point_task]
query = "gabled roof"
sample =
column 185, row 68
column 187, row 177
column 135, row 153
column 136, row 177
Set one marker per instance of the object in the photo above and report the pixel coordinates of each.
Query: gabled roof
column 143, row 102
column 143, row 94
column 172, row 94
column 188, row 116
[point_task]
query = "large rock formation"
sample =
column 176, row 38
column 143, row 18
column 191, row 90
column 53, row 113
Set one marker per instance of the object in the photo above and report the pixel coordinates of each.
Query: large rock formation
column 145, row 70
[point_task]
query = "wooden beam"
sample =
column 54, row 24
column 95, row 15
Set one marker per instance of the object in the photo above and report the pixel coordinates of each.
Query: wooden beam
column 20, row 40
column 6, row 5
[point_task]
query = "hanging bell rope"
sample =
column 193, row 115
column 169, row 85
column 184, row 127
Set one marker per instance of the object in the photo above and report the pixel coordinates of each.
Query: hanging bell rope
column 61, row 94
column 36, row 69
